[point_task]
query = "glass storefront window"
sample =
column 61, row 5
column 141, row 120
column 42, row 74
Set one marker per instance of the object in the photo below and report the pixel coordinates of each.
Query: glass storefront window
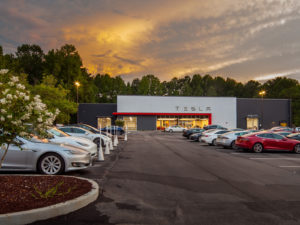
column 104, row 121
column 130, row 122
column 183, row 121
column 252, row 123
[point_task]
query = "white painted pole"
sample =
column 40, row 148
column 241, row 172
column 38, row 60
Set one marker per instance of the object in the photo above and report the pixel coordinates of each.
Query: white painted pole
column 115, row 137
column 111, row 144
column 100, row 151
column 107, row 152
column 125, row 138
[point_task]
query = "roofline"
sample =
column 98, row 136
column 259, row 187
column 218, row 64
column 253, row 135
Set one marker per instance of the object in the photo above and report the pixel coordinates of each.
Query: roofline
column 173, row 96
column 200, row 97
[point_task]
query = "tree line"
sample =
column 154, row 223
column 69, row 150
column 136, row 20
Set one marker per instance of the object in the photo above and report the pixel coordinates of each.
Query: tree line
column 52, row 76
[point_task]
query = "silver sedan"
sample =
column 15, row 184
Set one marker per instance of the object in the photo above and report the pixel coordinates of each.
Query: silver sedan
column 45, row 158
column 228, row 139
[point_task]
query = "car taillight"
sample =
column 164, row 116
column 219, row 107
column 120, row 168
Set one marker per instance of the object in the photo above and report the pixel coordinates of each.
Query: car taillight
column 243, row 139
column 206, row 135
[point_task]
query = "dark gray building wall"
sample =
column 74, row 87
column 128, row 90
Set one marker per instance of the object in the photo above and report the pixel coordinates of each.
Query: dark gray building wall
column 274, row 111
column 146, row 122
column 89, row 112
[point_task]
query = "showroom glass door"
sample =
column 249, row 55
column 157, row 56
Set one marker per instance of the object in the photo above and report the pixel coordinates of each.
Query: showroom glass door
column 252, row 123
column 104, row 122
column 130, row 122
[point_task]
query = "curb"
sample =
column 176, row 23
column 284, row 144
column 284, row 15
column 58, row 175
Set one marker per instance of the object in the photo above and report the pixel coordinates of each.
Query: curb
column 33, row 215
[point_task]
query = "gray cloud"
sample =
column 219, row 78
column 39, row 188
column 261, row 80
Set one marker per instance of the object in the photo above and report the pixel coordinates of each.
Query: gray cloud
column 241, row 39
column 131, row 61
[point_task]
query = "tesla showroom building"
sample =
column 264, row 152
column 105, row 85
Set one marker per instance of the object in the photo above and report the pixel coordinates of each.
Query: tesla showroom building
column 157, row 112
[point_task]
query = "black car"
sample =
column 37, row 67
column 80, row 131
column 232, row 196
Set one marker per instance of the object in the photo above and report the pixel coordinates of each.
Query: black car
column 196, row 136
column 295, row 136
column 209, row 127
column 189, row 132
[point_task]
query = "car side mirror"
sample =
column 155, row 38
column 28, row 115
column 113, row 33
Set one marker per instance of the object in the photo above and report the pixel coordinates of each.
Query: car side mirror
column 284, row 139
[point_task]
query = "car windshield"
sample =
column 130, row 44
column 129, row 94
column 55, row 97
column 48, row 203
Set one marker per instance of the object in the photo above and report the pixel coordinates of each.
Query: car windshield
column 92, row 128
column 58, row 132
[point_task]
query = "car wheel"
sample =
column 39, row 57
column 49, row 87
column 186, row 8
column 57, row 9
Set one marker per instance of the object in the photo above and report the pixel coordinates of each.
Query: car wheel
column 233, row 145
column 97, row 142
column 171, row 131
column 258, row 148
column 297, row 148
column 51, row 164
column 214, row 142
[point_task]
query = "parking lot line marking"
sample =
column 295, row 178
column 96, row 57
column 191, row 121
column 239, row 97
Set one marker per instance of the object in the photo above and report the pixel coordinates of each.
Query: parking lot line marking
column 275, row 158
column 289, row 166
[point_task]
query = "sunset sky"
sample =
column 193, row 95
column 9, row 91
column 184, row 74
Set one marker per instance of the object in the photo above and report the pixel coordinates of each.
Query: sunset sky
column 257, row 39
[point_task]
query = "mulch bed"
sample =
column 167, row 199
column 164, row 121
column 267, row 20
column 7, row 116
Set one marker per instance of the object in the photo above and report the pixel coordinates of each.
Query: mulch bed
column 16, row 192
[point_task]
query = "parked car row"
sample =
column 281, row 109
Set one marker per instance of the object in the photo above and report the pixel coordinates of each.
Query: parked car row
column 66, row 148
column 277, row 138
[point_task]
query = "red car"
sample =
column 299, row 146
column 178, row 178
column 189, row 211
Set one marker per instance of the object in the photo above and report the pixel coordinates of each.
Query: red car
column 267, row 140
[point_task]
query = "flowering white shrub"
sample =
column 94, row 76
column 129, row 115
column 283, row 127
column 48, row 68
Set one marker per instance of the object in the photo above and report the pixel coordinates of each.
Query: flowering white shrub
column 19, row 110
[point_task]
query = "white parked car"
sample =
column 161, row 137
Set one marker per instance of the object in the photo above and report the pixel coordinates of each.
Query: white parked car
column 46, row 158
column 175, row 128
column 81, row 132
column 210, row 136
column 59, row 137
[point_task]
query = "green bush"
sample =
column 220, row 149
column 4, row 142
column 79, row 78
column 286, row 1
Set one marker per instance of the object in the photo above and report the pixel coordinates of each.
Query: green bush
column 120, row 123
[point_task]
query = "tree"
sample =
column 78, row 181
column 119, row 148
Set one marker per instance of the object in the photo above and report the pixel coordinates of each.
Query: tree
column 275, row 87
column 219, row 85
column 19, row 107
column 104, row 84
column 135, row 86
column 7, row 61
column 251, row 89
column 184, row 86
column 196, row 85
column 149, row 85
column 30, row 61
column 65, row 65
column 55, row 98
column 207, row 81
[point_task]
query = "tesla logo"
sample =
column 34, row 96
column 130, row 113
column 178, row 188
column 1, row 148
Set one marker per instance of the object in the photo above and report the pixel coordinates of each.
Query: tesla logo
column 193, row 108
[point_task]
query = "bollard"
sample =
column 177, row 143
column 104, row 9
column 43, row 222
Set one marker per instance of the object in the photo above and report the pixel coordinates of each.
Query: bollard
column 111, row 144
column 115, row 141
column 125, row 138
column 117, row 137
column 107, row 152
column 100, row 151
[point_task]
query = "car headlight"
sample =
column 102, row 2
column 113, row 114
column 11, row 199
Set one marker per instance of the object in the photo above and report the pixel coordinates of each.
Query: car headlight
column 74, row 152
column 82, row 144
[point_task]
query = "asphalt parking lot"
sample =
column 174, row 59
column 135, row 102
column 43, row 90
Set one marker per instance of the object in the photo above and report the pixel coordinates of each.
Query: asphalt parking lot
column 162, row 178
